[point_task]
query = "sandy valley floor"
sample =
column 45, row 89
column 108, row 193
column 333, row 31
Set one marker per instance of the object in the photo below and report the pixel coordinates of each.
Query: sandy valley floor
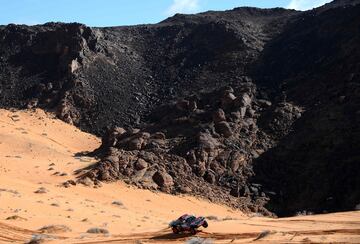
column 37, row 151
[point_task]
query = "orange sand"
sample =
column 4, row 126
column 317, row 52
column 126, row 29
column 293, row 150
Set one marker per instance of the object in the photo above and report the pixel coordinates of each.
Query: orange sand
column 32, row 140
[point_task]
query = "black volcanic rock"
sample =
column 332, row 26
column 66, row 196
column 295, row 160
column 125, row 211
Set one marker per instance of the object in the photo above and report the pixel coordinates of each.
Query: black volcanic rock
column 195, row 151
column 100, row 77
column 314, row 166
column 244, row 107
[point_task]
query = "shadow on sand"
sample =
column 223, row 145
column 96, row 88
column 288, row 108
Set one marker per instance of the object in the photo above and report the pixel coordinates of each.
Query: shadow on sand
column 171, row 236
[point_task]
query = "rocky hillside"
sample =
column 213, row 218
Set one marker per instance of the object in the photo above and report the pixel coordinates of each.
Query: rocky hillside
column 99, row 77
column 315, row 62
column 255, row 108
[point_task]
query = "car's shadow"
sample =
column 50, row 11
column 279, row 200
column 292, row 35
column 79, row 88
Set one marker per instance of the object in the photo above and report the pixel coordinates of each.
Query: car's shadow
column 171, row 236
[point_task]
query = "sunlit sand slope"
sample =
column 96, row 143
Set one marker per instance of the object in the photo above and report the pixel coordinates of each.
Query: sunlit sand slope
column 38, row 153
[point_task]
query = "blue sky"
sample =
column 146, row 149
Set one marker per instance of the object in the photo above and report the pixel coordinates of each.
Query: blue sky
column 124, row 12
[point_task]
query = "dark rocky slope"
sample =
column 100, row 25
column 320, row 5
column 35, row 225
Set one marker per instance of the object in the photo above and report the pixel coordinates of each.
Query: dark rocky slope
column 99, row 77
column 316, row 166
column 247, row 107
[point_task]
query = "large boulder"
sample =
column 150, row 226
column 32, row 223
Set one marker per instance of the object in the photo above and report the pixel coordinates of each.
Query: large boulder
column 224, row 129
column 227, row 100
column 243, row 101
column 135, row 144
column 112, row 136
column 218, row 116
column 140, row 164
column 200, row 168
column 210, row 177
column 207, row 142
column 242, row 112
column 237, row 160
column 163, row 179
column 158, row 136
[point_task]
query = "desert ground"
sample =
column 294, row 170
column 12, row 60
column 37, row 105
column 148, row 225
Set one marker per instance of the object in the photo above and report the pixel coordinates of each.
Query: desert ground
column 38, row 153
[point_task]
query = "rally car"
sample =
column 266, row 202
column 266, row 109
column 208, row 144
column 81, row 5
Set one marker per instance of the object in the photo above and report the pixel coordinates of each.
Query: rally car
column 188, row 223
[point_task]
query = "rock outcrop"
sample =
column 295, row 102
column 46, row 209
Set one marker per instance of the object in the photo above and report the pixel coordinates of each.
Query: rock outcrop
column 206, row 151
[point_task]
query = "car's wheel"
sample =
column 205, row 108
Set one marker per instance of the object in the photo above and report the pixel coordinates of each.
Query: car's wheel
column 175, row 230
column 205, row 224
column 193, row 231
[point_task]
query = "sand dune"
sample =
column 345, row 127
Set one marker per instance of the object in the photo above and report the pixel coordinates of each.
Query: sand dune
column 39, row 152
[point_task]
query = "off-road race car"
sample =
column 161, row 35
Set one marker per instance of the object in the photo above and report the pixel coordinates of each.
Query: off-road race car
column 188, row 223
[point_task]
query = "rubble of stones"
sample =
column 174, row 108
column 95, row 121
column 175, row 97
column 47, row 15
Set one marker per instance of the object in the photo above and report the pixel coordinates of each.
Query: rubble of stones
column 203, row 145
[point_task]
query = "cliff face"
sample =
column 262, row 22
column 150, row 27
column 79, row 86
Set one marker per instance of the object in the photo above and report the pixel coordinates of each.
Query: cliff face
column 250, row 107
